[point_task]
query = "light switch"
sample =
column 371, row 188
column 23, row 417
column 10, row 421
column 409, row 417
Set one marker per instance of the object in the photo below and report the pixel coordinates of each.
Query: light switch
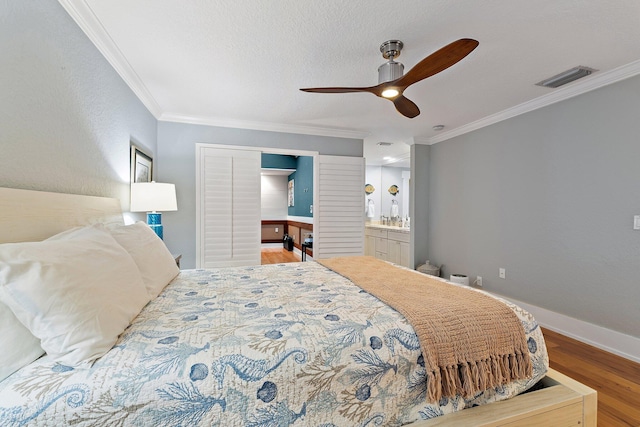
column 276, row 229
column 636, row 222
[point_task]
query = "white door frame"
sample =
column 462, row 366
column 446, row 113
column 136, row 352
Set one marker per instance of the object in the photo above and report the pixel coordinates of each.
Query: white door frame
column 266, row 150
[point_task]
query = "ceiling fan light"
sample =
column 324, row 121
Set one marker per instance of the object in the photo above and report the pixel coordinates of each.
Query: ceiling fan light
column 390, row 93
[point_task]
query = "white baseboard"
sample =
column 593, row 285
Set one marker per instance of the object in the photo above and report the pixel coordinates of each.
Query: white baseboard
column 606, row 339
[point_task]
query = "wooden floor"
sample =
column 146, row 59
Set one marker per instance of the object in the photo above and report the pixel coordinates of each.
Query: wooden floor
column 277, row 256
column 616, row 379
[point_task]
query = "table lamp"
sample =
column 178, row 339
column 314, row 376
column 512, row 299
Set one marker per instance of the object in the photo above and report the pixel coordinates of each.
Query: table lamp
column 152, row 197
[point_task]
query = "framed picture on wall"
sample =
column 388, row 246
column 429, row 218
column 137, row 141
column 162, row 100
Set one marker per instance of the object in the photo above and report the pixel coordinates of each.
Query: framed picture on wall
column 290, row 193
column 141, row 165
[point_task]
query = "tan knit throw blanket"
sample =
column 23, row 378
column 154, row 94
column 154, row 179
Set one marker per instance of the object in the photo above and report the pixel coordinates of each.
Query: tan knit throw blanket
column 470, row 342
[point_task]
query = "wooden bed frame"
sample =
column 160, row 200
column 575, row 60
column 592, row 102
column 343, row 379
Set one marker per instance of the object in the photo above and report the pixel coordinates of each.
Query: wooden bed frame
column 560, row 401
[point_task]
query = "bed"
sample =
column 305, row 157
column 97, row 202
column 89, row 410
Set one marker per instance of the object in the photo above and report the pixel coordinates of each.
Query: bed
column 290, row 344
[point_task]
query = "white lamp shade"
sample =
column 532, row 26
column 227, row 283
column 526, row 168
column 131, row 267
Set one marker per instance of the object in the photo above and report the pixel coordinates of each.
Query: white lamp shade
column 153, row 197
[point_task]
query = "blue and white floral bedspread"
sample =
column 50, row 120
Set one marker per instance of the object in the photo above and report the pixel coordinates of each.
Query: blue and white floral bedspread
column 277, row 345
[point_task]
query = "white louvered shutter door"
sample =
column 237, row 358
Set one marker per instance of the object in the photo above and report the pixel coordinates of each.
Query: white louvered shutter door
column 228, row 207
column 339, row 210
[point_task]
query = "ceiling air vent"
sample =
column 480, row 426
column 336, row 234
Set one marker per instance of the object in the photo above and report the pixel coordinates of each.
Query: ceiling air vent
column 384, row 144
column 566, row 77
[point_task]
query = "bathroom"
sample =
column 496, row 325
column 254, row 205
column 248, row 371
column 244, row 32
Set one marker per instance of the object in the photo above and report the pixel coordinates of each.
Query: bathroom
column 387, row 220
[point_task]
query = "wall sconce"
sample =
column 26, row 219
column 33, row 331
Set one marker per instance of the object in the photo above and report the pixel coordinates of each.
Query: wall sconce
column 152, row 197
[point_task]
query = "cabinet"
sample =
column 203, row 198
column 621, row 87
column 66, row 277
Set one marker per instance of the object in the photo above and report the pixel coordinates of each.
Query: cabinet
column 382, row 248
column 389, row 245
column 398, row 248
column 376, row 242
column 369, row 245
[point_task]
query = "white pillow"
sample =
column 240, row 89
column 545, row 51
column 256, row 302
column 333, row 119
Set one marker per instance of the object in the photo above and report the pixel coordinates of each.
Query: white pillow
column 155, row 262
column 76, row 291
column 19, row 346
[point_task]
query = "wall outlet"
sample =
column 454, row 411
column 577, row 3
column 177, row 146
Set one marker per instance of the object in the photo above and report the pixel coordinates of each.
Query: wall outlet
column 502, row 273
column 479, row 281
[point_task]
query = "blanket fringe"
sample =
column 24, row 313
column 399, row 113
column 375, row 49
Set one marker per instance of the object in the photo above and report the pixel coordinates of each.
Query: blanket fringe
column 467, row 379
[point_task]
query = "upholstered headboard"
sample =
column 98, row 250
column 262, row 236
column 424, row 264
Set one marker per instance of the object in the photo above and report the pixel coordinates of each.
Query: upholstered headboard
column 27, row 215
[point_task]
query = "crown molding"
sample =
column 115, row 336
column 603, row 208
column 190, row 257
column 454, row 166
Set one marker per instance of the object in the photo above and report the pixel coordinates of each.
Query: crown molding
column 421, row 141
column 82, row 14
column 595, row 82
column 263, row 126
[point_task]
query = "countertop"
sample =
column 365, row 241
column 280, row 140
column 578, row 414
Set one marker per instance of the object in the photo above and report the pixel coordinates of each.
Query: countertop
column 388, row 227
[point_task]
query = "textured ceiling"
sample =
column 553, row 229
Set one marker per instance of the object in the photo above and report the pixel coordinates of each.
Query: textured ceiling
column 240, row 63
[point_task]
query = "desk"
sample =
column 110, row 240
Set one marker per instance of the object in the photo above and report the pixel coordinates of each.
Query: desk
column 304, row 250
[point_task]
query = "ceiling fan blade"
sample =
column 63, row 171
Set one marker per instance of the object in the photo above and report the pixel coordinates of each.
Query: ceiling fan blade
column 406, row 107
column 340, row 89
column 432, row 64
column 437, row 62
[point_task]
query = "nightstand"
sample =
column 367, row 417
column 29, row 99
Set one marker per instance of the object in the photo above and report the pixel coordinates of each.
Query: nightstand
column 177, row 257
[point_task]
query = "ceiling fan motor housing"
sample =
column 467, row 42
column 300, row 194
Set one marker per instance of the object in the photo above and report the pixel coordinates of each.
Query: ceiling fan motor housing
column 390, row 70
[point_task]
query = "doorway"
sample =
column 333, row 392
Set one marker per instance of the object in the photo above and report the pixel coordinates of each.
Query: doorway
column 287, row 196
column 228, row 214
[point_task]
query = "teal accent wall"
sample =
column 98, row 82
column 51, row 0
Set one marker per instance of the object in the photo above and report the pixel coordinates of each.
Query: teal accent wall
column 302, row 187
column 278, row 161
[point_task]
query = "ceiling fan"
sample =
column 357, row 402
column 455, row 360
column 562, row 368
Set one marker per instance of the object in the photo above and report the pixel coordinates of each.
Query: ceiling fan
column 391, row 81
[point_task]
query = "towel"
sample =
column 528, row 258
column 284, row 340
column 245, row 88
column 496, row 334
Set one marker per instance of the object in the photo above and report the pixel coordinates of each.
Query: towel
column 371, row 209
column 394, row 210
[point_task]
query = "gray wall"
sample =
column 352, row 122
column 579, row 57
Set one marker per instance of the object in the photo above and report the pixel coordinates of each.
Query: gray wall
column 176, row 164
column 419, row 203
column 550, row 196
column 66, row 116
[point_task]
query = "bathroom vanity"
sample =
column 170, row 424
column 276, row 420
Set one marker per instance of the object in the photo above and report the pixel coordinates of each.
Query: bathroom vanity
column 388, row 242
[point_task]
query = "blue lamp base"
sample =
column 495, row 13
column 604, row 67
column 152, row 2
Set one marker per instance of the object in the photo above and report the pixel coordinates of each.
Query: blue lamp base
column 154, row 220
